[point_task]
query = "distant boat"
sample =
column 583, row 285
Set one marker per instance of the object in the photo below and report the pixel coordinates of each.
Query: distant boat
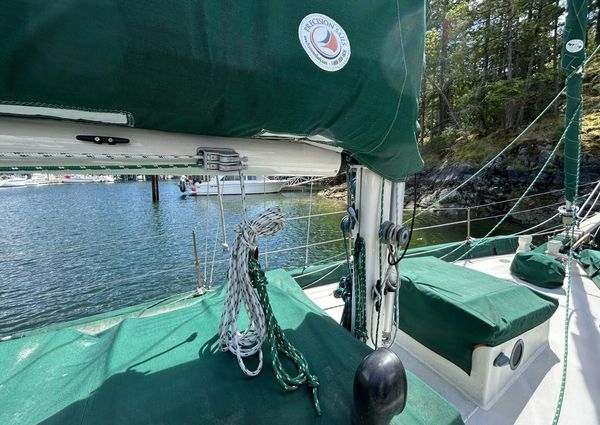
column 37, row 179
column 105, row 179
column 77, row 178
column 12, row 181
column 230, row 185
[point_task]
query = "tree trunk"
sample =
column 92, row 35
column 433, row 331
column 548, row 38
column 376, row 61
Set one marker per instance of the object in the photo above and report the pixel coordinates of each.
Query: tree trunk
column 422, row 109
column 486, row 45
column 441, row 85
column 527, row 85
column 555, row 62
column 510, row 106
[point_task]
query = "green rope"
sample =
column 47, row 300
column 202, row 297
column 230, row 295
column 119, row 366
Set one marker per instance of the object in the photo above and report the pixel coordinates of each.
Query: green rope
column 360, row 290
column 507, row 147
column 563, row 379
column 376, row 340
column 278, row 342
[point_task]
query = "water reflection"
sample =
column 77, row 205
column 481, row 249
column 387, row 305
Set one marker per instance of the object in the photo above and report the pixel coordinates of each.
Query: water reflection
column 68, row 251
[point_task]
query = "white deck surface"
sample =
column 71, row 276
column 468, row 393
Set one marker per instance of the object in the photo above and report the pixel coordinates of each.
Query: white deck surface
column 532, row 399
column 323, row 297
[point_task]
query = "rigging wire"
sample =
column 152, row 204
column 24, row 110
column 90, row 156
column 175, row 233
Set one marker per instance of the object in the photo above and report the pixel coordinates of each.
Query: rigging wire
column 536, row 178
column 526, row 231
column 310, row 202
column 206, row 233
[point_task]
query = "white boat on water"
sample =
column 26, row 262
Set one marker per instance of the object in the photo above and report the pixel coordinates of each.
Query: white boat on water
column 77, row 178
column 105, row 179
column 230, row 185
column 37, row 179
column 12, row 181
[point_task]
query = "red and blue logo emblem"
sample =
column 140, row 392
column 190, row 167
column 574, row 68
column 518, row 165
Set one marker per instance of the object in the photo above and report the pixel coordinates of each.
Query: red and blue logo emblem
column 324, row 41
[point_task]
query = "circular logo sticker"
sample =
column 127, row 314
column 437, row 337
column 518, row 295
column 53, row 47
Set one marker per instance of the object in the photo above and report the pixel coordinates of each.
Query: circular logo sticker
column 324, row 41
column 573, row 46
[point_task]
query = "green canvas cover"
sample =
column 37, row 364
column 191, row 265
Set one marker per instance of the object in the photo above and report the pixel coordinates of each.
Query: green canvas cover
column 166, row 369
column 229, row 68
column 450, row 309
column 538, row 268
column 590, row 261
column 573, row 56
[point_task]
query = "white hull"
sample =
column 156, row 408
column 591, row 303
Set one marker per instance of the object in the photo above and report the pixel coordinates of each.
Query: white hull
column 78, row 179
column 14, row 182
column 233, row 188
column 31, row 182
column 37, row 180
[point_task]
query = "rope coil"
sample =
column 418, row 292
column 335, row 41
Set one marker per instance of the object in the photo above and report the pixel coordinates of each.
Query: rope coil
column 240, row 290
column 247, row 285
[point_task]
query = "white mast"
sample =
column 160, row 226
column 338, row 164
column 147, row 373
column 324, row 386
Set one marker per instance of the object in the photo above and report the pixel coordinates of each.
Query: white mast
column 374, row 208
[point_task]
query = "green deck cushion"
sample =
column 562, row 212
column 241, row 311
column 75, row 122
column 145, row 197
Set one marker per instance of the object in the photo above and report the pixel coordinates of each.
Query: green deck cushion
column 538, row 268
column 590, row 260
column 166, row 369
column 450, row 309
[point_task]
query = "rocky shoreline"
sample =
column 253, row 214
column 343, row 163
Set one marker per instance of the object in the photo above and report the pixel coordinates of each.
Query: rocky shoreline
column 503, row 181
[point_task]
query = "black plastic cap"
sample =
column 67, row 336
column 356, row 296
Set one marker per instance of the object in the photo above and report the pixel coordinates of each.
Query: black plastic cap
column 380, row 388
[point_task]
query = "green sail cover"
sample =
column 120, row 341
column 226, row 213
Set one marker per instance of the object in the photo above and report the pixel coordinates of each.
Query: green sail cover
column 573, row 56
column 349, row 71
column 166, row 369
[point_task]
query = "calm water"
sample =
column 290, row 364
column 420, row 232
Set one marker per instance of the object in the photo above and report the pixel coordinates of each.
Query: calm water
column 69, row 251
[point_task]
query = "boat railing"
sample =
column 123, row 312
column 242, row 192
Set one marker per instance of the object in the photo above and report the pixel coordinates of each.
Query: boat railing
column 547, row 231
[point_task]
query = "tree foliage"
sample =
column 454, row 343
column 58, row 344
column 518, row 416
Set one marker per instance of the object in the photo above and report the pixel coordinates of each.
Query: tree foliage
column 491, row 66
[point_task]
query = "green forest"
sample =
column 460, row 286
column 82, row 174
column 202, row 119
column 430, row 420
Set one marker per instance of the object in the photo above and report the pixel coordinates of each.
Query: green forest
column 491, row 68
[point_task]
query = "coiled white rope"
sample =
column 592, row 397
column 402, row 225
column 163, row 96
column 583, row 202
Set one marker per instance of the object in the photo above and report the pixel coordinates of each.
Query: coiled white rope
column 240, row 290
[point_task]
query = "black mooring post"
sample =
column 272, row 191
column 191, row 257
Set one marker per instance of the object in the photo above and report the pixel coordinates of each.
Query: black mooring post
column 155, row 194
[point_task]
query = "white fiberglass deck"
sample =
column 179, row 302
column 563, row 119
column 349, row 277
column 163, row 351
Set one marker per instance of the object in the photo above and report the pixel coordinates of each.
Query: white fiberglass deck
column 532, row 399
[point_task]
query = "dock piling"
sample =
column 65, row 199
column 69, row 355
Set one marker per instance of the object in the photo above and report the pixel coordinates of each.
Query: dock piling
column 155, row 193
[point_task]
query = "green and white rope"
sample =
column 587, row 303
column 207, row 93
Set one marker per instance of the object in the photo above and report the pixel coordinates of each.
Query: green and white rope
column 240, row 290
column 377, row 292
column 360, row 290
column 279, row 345
column 569, row 273
column 247, row 285
column 563, row 379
